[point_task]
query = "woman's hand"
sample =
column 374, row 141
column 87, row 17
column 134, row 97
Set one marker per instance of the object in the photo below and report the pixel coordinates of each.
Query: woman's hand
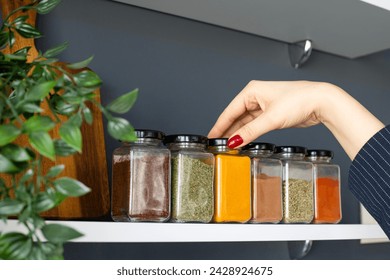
column 263, row 106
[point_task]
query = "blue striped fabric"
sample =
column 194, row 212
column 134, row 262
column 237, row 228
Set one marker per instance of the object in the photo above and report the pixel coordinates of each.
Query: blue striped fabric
column 369, row 177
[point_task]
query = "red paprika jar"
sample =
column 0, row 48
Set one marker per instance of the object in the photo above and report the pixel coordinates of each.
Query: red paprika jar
column 327, row 198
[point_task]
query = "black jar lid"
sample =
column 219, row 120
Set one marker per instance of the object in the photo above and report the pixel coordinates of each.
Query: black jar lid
column 319, row 153
column 290, row 149
column 218, row 141
column 185, row 138
column 259, row 146
column 148, row 133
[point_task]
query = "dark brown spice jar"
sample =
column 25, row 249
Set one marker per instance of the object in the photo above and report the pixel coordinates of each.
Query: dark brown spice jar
column 141, row 179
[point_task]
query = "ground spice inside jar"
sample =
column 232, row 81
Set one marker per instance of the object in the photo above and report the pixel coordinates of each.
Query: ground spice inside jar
column 266, row 199
column 149, row 193
column 120, row 188
column 192, row 189
column 232, row 188
column 141, row 187
column 298, row 201
column 327, row 201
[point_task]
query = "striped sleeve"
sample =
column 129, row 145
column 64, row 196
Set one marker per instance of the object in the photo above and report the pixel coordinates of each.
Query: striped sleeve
column 369, row 178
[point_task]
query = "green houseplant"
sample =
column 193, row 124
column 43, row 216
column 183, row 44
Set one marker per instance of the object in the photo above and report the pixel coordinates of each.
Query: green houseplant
column 24, row 87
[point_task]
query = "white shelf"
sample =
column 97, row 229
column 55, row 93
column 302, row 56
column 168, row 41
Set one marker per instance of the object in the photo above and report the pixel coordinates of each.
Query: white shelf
column 173, row 232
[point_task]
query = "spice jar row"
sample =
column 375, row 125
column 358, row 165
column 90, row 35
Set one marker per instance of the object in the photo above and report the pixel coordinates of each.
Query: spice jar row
column 189, row 178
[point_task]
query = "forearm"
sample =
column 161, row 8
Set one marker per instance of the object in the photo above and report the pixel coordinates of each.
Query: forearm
column 351, row 123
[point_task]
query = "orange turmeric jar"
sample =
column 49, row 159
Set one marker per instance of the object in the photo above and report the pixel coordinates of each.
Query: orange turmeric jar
column 327, row 198
column 232, row 183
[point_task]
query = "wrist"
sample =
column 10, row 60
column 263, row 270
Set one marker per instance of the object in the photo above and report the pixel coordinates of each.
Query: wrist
column 331, row 99
column 348, row 120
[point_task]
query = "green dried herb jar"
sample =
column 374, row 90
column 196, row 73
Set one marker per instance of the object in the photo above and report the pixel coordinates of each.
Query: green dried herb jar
column 192, row 178
column 298, row 192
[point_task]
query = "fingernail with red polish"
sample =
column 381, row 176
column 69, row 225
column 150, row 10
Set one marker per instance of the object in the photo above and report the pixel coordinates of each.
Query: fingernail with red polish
column 235, row 141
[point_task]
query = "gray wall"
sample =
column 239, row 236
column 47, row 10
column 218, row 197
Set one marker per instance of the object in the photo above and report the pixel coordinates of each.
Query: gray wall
column 187, row 73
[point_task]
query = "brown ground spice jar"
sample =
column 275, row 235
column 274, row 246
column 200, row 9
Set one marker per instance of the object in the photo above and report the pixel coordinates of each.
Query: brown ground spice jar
column 267, row 199
column 266, row 183
column 141, row 179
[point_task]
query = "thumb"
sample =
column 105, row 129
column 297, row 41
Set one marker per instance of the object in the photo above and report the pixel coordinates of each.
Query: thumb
column 252, row 130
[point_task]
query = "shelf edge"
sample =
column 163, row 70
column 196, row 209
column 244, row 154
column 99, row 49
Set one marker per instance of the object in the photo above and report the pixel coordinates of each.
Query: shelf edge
column 112, row 232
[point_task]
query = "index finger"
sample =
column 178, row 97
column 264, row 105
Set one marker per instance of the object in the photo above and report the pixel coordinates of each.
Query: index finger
column 232, row 112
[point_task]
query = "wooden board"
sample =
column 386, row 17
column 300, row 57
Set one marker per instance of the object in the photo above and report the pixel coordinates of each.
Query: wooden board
column 90, row 167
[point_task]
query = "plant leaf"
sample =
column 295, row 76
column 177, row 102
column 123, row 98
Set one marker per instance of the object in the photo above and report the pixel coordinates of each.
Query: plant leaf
column 18, row 57
column 62, row 148
column 19, row 93
column 48, row 74
column 15, row 153
column 70, row 187
column 55, row 171
column 8, row 133
column 11, row 38
column 30, row 108
column 59, row 233
column 71, row 134
column 40, row 91
column 45, row 6
column 8, row 238
column 10, row 207
column 3, row 187
column 19, row 20
column 75, row 120
column 123, row 103
column 23, row 51
column 87, row 78
column 60, row 106
column 72, row 97
column 38, row 123
column 2, row 103
column 43, row 202
column 15, row 246
column 49, row 248
column 42, row 142
column 3, row 39
column 81, row 64
column 27, row 30
column 88, row 115
column 27, row 176
column 25, row 214
column 37, row 221
column 53, row 52
column 37, row 253
column 7, row 166
column 53, row 251
column 121, row 129
column 21, row 248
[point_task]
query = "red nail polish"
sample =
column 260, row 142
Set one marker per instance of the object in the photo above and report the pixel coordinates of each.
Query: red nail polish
column 235, row 141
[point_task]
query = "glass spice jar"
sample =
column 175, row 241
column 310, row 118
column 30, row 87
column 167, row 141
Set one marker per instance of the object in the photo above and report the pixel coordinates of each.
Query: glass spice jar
column 298, row 199
column 232, row 183
column 266, row 180
column 327, row 198
column 141, row 179
column 192, row 178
